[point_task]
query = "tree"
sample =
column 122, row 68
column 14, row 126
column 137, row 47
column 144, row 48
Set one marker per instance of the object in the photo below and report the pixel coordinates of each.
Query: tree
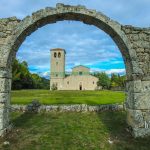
column 117, row 80
column 23, row 79
column 114, row 80
column 104, row 80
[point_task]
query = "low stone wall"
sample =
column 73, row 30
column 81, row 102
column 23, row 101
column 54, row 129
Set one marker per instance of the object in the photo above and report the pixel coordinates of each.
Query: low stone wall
column 71, row 108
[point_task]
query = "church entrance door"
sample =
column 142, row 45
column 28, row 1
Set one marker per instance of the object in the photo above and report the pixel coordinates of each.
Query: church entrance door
column 80, row 87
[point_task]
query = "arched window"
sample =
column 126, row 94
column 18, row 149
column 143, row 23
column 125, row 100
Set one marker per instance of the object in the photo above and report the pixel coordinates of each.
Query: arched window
column 55, row 54
column 59, row 54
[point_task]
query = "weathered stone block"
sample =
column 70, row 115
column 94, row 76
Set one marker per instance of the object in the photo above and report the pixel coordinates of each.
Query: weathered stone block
column 135, row 37
column 142, row 100
column 93, row 108
column 136, row 68
column 4, row 97
column 2, row 41
column 54, row 108
column 5, row 85
column 146, row 115
column 145, row 86
column 135, row 118
column 5, row 73
column 129, row 102
column 134, row 86
column 138, row 100
column 141, row 132
column 84, row 108
column 4, row 116
column 4, row 53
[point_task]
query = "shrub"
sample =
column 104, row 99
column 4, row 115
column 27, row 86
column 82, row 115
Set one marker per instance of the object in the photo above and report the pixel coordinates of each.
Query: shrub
column 33, row 107
column 53, row 87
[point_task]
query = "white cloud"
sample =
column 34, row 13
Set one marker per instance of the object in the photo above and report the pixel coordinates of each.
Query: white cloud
column 45, row 74
column 116, row 62
column 119, row 71
column 109, row 71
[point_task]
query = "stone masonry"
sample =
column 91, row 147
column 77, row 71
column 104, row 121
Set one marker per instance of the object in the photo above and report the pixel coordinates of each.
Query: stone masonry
column 70, row 108
column 133, row 42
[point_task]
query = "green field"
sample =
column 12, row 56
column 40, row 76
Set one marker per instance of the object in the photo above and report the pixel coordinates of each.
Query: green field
column 67, row 97
column 72, row 131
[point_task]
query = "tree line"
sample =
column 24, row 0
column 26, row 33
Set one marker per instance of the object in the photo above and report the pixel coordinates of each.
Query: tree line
column 114, row 82
column 23, row 79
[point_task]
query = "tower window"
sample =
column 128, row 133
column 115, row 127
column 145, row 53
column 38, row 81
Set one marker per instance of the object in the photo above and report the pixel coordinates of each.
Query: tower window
column 68, row 82
column 93, row 82
column 55, row 54
column 56, row 63
column 59, row 54
column 56, row 75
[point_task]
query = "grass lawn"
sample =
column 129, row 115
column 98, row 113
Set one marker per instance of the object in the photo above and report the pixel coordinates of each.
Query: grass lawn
column 72, row 131
column 67, row 97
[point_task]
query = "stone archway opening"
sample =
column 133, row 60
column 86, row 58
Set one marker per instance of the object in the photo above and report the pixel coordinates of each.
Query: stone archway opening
column 138, row 81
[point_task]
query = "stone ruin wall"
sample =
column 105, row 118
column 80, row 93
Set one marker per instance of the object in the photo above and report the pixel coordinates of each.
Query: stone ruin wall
column 6, row 28
column 138, row 83
column 138, row 96
column 140, row 42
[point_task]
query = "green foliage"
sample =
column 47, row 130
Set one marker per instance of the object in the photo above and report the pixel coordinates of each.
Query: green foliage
column 104, row 80
column 39, row 82
column 23, row 79
column 115, row 81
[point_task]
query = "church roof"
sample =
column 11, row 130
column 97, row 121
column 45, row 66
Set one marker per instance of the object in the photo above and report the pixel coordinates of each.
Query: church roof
column 80, row 66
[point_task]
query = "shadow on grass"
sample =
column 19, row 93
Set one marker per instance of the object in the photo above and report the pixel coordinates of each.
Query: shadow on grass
column 23, row 119
column 21, row 122
column 116, row 125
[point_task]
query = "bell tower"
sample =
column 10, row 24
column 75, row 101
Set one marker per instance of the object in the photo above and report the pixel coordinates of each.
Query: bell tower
column 57, row 73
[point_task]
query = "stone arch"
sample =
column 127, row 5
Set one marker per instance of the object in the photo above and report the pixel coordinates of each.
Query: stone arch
column 116, row 31
column 78, row 13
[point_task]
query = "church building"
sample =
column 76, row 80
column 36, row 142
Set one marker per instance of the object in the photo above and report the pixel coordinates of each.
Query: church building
column 79, row 79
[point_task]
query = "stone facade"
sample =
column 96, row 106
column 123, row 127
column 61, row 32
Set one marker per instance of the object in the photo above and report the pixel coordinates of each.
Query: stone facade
column 80, row 82
column 133, row 42
column 80, row 78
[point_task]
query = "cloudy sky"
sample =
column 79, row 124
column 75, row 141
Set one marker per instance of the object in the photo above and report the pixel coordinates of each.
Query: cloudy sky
column 84, row 44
